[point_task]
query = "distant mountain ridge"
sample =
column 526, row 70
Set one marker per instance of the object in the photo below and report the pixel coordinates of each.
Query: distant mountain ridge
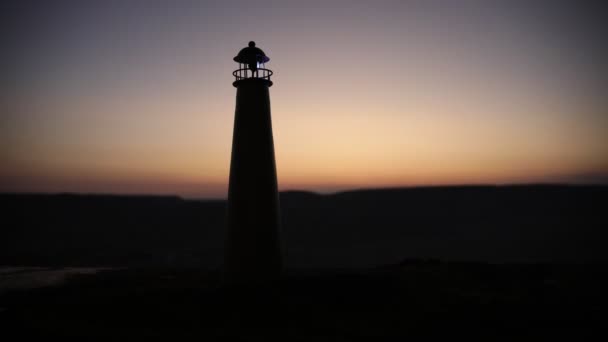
column 357, row 228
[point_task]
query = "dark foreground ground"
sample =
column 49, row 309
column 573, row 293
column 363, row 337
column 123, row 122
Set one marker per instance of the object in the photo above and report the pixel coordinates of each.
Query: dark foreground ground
column 541, row 272
column 415, row 298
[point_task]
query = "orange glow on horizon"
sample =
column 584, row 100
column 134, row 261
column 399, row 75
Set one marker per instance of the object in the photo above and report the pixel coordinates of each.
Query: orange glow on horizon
column 363, row 97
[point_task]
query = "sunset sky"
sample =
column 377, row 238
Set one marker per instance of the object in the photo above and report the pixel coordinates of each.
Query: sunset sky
column 137, row 96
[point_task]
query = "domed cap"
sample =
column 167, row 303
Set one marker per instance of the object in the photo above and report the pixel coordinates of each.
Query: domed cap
column 251, row 54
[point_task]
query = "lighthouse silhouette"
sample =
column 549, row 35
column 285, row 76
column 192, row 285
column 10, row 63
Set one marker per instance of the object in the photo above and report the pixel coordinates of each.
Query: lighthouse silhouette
column 253, row 253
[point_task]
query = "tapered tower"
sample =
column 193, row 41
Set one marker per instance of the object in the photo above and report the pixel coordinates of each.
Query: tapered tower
column 253, row 248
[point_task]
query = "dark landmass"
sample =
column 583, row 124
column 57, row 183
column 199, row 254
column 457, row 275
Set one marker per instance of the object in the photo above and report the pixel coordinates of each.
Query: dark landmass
column 423, row 299
column 354, row 229
column 497, row 263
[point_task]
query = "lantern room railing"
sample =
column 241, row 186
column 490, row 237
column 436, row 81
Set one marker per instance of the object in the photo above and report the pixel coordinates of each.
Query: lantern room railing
column 244, row 73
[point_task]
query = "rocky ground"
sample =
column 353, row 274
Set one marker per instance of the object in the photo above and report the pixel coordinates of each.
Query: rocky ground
column 416, row 298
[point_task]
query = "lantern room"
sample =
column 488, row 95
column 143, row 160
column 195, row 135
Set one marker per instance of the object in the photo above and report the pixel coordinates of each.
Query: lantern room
column 252, row 65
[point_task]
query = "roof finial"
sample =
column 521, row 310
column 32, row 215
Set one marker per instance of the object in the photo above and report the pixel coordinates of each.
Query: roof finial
column 252, row 44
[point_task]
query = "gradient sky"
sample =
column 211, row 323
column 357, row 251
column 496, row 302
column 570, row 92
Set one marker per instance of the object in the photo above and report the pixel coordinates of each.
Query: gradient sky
column 137, row 96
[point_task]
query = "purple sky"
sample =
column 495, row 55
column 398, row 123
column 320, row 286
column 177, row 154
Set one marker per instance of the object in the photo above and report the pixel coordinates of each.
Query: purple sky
column 137, row 96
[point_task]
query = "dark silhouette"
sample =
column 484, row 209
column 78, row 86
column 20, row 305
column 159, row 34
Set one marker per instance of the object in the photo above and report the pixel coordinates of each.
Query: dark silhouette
column 251, row 56
column 354, row 229
column 253, row 250
column 382, row 264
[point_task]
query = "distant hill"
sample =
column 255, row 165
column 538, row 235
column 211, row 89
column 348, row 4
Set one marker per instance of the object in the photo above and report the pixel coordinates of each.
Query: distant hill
column 350, row 229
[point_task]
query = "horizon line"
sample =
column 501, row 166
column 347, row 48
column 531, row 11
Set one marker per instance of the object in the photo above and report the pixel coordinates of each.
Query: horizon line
column 318, row 193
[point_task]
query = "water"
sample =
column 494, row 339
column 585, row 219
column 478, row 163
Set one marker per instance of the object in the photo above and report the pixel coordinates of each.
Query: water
column 22, row 278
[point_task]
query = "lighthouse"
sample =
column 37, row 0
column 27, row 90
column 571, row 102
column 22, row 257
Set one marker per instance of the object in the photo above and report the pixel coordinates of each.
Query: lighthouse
column 253, row 252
